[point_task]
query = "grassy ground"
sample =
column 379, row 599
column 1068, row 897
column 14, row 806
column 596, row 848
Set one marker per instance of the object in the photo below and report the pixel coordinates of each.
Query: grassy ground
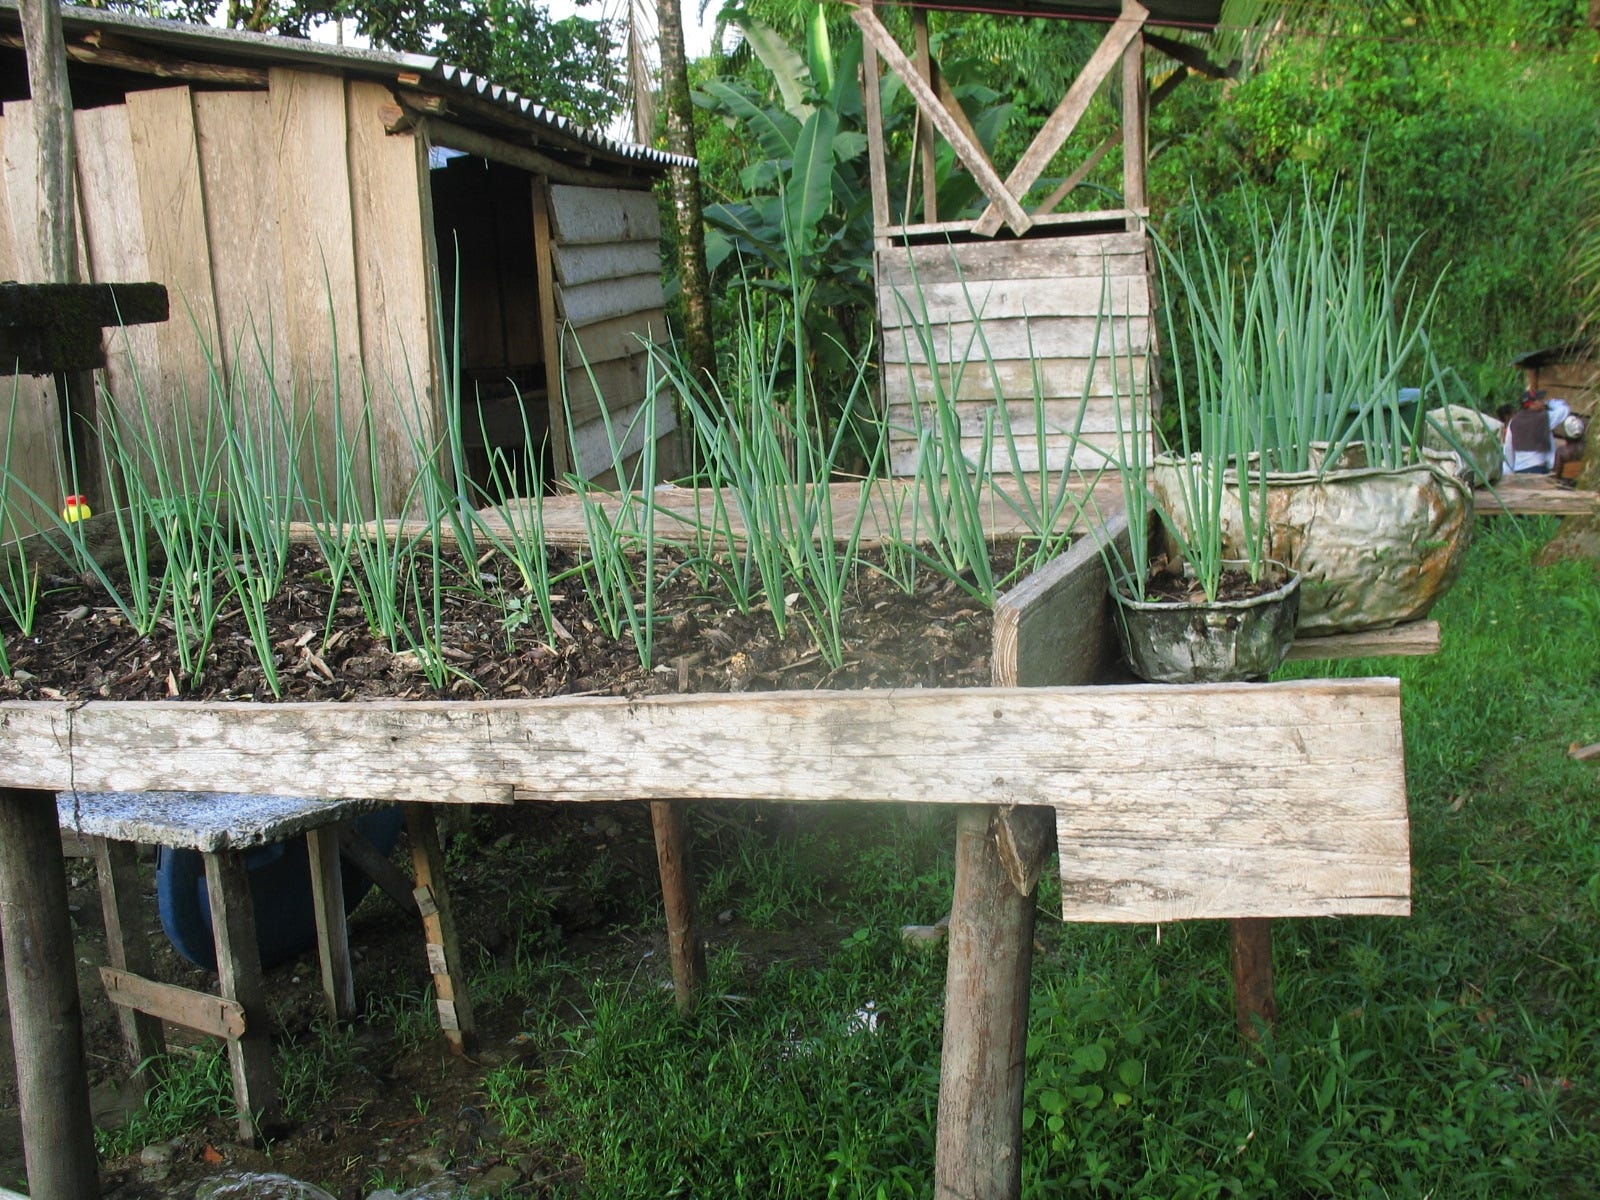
column 1451, row 1054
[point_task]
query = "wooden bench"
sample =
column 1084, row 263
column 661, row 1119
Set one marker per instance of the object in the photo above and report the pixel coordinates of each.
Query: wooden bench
column 223, row 827
column 1535, row 496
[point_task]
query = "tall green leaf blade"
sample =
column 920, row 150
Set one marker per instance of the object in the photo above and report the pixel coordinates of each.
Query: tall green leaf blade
column 788, row 69
column 811, row 187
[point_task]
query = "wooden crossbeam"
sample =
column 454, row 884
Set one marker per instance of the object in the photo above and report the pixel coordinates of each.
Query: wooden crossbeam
column 1067, row 114
column 199, row 1011
column 1002, row 202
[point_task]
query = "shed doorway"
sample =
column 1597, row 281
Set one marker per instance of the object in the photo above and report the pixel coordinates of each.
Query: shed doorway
column 489, row 266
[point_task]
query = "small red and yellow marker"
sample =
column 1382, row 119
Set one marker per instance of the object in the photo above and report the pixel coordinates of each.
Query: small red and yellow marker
column 77, row 509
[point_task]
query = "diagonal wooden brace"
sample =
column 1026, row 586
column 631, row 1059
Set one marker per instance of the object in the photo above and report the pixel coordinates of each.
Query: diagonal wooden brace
column 1067, row 115
column 1002, row 202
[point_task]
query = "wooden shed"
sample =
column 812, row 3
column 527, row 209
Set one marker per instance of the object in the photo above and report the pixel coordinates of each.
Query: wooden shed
column 1016, row 311
column 310, row 209
column 1571, row 371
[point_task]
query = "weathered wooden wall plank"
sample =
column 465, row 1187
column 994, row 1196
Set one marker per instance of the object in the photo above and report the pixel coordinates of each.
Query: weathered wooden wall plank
column 1000, row 299
column 1215, row 801
column 586, row 215
column 621, row 338
column 114, row 239
column 607, row 299
column 308, row 140
column 392, row 286
column 1084, row 256
column 170, row 197
column 27, row 402
column 1021, row 340
column 242, row 217
column 577, row 264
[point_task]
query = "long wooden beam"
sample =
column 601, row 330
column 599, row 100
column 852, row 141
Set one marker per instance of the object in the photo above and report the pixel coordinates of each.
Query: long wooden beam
column 1002, row 202
column 1067, row 114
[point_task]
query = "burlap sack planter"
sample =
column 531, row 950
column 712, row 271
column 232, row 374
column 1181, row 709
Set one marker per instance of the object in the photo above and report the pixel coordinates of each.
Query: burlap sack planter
column 1376, row 546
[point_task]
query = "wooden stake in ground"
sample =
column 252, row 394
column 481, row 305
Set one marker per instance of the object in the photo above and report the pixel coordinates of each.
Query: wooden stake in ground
column 687, row 951
column 42, row 994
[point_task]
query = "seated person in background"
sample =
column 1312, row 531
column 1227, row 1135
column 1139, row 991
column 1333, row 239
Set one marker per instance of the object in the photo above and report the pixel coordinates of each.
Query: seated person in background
column 1529, row 441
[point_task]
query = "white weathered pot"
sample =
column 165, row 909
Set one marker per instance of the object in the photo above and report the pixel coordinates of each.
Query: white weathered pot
column 1377, row 547
column 1474, row 440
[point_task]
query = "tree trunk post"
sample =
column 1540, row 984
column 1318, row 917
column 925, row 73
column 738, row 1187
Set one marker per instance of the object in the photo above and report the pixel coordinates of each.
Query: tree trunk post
column 1255, row 1001
column 687, row 206
column 58, row 225
column 42, row 994
column 684, row 946
column 982, row 1066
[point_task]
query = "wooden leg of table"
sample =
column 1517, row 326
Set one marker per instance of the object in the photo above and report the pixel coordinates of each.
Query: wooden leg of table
column 233, row 926
column 687, row 951
column 42, row 994
column 333, row 931
column 1255, row 1001
column 985, row 1022
column 128, row 948
column 439, row 927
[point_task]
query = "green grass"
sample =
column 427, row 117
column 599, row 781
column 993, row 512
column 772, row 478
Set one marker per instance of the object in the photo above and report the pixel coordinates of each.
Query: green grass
column 1453, row 1053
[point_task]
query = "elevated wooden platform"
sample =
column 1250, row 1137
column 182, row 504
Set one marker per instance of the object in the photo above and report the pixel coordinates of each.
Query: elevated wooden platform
column 1534, row 495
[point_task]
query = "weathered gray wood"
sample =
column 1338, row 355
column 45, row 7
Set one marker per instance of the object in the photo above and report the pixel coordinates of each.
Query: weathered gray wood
column 1166, row 820
column 586, row 264
column 608, row 299
column 42, row 994
column 445, row 963
column 327, row 905
column 51, row 98
column 1017, row 380
column 622, row 337
column 152, row 1000
column 469, row 141
column 233, row 928
column 1134, row 150
column 585, row 214
column 1055, row 626
column 1417, row 637
column 591, row 444
column 983, row 1059
column 971, row 155
column 1116, row 254
column 872, row 99
column 128, row 946
column 1044, row 337
column 668, row 821
column 619, row 382
column 390, row 878
column 1068, row 113
column 550, row 334
column 1087, row 453
column 988, row 300
column 1061, row 416
column 1534, row 495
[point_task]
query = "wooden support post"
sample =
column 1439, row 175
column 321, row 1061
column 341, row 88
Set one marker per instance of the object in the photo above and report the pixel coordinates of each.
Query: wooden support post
column 925, row 147
column 58, row 226
column 1255, row 1002
column 333, row 936
column 233, row 927
column 981, row 1072
column 127, row 947
column 872, row 98
column 684, row 946
column 1135, row 149
column 439, row 928
column 42, row 994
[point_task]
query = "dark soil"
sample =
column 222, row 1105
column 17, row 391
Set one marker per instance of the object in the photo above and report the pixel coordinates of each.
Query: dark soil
column 1168, row 583
column 85, row 649
column 407, row 1112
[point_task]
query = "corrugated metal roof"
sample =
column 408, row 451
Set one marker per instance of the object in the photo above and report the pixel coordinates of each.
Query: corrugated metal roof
column 240, row 47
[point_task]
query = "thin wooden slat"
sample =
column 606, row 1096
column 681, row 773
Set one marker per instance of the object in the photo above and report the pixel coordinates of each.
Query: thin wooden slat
column 33, row 419
column 128, row 945
column 1058, row 128
column 1414, row 638
column 1017, row 380
column 327, row 906
column 872, row 98
column 114, row 239
column 592, row 449
column 199, row 1011
column 620, row 383
column 971, row 156
column 622, row 337
column 171, row 200
column 239, row 979
column 242, row 217
column 1044, row 337
column 445, row 963
column 1061, row 417
column 308, row 140
column 991, row 300
column 1534, row 495
column 1086, row 255
column 1088, row 452
column 391, row 285
column 581, row 215
column 1055, row 626
column 549, row 328
column 609, row 299
column 1134, row 150
column 607, row 260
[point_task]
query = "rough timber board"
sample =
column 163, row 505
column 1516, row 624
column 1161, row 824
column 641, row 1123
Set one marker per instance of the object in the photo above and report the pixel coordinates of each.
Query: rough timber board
column 1226, row 800
column 1116, row 254
column 587, row 215
column 1041, row 337
column 1001, row 299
